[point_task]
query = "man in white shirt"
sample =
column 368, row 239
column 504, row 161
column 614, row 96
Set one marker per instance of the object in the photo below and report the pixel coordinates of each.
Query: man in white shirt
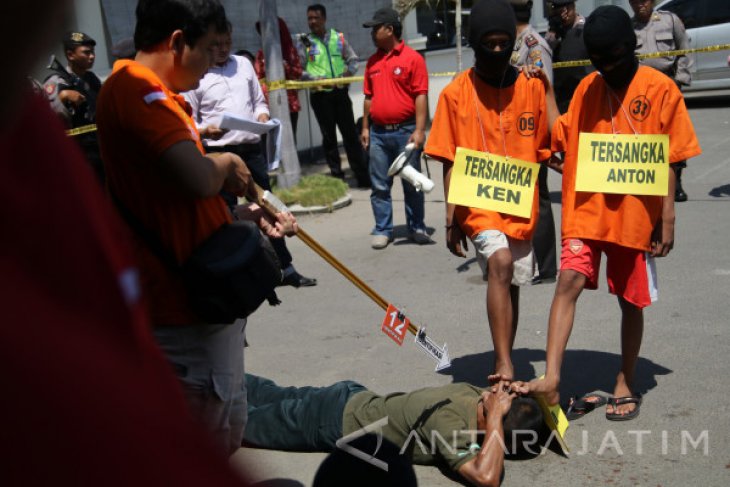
column 232, row 86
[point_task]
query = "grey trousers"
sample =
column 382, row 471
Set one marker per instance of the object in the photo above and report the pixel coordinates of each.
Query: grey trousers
column 208, row 360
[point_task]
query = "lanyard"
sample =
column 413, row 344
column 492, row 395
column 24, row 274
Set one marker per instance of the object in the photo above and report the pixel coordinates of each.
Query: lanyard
column 499, row 110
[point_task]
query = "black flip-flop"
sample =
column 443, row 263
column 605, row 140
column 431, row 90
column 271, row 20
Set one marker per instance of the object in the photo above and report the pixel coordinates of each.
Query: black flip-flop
column 580, row 406
column 617, row 401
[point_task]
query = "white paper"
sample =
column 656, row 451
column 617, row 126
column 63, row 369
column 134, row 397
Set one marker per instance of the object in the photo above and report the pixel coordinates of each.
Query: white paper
column 272, row 130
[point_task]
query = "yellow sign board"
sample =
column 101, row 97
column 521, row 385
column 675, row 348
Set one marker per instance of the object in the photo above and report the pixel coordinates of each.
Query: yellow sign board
column 491, row 182
column 623, row 164
column 556, row 420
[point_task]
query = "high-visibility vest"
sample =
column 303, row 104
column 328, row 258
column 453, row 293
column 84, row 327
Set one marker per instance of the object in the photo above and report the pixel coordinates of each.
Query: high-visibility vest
column 325, row 60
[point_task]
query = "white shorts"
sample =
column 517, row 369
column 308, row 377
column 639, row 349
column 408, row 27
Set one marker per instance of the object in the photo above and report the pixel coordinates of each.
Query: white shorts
column 488, row 242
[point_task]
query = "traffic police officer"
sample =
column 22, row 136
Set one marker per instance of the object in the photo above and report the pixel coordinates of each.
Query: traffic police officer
column 532, row 49
column 658, row 31
column 72, row 92
column 325, row 54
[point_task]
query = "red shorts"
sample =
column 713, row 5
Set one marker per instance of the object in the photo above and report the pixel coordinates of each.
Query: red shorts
column 631, row 273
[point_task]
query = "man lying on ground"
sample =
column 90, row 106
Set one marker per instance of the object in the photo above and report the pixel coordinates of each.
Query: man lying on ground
column 458, row 426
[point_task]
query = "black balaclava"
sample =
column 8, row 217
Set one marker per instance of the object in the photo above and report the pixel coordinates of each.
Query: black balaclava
column 608, row 34
column 493, row 16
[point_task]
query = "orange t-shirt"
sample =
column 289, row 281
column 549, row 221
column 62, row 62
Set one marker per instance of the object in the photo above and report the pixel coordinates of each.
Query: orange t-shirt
column 524, row 133
column 138, row 119
column 655, row 106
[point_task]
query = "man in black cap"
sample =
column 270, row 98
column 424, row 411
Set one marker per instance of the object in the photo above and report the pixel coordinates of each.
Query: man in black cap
column 566, row 38
column 72, row 92
column 396, row 101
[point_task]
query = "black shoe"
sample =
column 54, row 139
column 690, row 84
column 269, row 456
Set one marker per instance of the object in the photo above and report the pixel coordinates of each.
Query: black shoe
column 543, row 280
column 297, row 280
column 338, row 175
column 679, row 195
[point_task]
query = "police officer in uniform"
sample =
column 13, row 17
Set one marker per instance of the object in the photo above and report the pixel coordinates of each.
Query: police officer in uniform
column 532, row 49
column 566, row 38
column 72, row 92
column 325, row 54
column 658, row 31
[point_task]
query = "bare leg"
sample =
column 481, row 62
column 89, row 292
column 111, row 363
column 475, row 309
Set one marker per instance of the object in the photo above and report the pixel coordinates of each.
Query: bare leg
column 514, row 293
column 562, row 313
column 502, row 320
column 632, row 331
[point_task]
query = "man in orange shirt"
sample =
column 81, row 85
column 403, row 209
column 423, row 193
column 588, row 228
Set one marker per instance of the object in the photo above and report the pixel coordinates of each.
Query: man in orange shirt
column 621, row 98
column 494, row 109
column 159, row 174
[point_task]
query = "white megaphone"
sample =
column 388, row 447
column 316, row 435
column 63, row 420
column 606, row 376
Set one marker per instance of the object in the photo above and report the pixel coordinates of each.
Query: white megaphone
column 401, row 167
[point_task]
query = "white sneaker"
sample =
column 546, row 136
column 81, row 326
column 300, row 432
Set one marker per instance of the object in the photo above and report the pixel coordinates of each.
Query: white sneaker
column 420, row 237
column 380, row 241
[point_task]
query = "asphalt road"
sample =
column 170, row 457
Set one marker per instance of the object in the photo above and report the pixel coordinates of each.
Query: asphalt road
column 332, row 332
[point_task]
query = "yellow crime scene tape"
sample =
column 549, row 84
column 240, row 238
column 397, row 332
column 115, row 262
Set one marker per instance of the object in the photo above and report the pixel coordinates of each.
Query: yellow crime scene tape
column 324, row 83
column 299, row 85
column 678, row 52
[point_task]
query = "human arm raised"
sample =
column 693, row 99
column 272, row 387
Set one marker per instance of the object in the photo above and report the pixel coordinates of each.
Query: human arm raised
column 485, row 470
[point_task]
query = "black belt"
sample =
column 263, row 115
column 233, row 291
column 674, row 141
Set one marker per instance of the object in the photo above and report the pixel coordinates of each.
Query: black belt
column 395, row 126
column 252, row 148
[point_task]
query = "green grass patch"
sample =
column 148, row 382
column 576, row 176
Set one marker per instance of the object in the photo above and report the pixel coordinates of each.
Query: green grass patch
column 314, row 190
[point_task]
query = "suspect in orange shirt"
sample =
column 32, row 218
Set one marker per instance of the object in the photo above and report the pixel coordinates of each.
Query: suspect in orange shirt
column 622, row 98
column 495, row 109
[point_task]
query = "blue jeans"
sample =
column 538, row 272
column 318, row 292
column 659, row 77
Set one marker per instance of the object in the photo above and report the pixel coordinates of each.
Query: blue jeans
column 385, row 146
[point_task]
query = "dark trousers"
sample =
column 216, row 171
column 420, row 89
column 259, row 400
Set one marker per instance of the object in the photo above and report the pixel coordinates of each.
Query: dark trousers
column 90, row 147
column 334, row 109
column 256, row 163
column 294, row 117
column 543, row 240
column 295, row 418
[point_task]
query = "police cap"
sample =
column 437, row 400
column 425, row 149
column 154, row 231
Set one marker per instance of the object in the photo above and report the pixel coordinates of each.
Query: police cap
column 560, row 3
column 74, row 39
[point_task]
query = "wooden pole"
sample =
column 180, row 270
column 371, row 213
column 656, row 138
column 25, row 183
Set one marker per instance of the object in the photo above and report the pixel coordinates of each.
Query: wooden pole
column 331, row 259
